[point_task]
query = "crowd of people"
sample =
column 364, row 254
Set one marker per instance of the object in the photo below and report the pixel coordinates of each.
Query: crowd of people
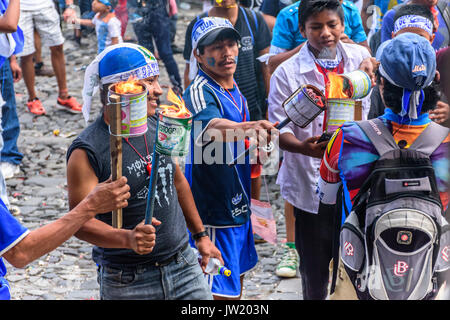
column 242, row 63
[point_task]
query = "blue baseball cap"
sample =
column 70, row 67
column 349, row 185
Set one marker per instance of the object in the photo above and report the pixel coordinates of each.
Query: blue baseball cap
column 208, row 29
column 205, row 32
column 409, row 62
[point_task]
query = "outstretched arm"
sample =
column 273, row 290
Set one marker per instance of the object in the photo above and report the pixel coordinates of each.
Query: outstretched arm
column 104, row 196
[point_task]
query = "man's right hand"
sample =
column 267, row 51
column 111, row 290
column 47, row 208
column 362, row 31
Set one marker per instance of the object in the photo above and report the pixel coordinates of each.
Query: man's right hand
column 108, row 196
column 262, row 131
column 142, row 238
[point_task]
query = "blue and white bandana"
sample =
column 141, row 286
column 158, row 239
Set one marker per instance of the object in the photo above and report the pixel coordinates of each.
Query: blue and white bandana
column 412, row 21
column 117, row 63
column 201, row 28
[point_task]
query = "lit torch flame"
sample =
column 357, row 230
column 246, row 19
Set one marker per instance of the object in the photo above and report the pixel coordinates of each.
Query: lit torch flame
column 132, row 85
column 177, row 109
column 335, row 87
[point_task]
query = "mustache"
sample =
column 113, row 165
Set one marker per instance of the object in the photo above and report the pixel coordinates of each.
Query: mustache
column 228, row 60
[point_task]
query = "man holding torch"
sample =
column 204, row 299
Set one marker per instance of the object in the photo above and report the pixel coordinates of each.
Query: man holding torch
column 20, row 246
column 131, row 267
column 222, row 193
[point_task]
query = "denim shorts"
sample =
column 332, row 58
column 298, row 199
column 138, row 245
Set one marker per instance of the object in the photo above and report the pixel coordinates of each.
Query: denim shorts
column 181, row 279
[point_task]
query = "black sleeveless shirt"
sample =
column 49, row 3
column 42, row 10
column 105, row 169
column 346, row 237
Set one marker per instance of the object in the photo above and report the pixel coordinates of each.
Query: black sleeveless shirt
column 171, row 235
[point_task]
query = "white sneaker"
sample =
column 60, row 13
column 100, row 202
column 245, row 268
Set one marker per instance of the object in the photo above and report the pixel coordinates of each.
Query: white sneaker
column 9, row 170
column 287, row 268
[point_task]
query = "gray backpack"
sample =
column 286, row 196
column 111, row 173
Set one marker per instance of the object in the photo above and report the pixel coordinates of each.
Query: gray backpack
column 396, row 239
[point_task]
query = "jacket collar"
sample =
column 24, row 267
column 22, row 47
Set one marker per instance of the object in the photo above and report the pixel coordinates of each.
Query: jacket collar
column 306, row 61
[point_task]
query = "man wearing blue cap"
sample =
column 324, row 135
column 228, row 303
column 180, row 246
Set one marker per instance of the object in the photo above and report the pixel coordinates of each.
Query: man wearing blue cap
column 128, row 267
column 407, row 75
column 222, row 193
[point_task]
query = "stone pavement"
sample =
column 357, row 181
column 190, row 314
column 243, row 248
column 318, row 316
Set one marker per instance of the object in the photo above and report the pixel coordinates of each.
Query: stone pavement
column 68, row 273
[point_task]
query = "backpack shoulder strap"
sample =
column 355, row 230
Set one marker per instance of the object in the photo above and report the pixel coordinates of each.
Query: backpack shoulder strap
column 379, row 135
column 245, row 13
column 430, row 138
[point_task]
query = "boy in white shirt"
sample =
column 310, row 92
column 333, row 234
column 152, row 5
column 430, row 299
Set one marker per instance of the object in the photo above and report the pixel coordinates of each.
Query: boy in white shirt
column 321, row 22
column 107, row 26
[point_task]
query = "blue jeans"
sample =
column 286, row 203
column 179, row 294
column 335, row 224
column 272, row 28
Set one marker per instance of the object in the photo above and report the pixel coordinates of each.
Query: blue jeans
column 156, row 25
column 181, row 279
column 3, row 193
column 10, row 121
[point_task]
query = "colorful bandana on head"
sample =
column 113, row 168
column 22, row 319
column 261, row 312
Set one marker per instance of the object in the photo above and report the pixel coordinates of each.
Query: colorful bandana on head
column 411, row 21
column 201, row 28
column 117, row 63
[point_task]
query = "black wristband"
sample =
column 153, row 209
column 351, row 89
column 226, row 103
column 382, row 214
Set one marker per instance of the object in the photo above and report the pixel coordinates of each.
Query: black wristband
column 199, row 235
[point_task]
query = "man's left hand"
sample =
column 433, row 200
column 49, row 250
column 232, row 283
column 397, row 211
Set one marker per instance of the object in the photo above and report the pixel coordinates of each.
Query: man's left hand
column 15, row 69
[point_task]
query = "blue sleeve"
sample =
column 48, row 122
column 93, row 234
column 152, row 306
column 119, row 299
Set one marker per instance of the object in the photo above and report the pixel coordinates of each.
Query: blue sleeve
column 200, row 100
column 282, row 36
column 357, row 33
column 11, row 231
column 387, row 26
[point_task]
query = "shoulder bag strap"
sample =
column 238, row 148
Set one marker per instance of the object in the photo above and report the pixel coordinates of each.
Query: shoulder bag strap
column 379, row 135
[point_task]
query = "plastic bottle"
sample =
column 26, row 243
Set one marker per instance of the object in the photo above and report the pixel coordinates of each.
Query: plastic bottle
column 214, row 267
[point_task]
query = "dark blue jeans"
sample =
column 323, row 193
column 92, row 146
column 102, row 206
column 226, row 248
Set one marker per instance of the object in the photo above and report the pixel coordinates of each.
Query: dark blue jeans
column 156, row 25
column 181, row 279
column 10, row 121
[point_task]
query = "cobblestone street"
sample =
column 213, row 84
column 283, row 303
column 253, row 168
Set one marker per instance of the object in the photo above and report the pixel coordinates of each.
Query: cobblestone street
column 39, row 190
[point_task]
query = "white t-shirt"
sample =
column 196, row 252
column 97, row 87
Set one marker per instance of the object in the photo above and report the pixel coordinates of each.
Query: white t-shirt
column 104, row 35
column 32, row 5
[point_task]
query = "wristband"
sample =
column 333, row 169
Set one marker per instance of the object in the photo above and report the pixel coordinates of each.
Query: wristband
column 199, row 235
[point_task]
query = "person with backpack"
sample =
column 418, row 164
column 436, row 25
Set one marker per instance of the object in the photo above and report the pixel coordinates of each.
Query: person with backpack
column 251, row 76
column 322, row 23
column 385, row 179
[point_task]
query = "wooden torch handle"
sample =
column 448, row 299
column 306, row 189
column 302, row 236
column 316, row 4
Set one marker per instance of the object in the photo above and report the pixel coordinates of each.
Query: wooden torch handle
column 115, row 142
